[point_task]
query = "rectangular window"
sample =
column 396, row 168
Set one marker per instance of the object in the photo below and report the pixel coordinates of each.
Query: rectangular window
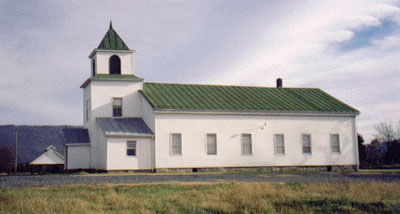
column 117, row 107
column 306, row 138
column 335, row 143
column 176, row 144
column 246, row 144
column 211, row 144
column 87, row 110
column 131, row 148
column 279, row 144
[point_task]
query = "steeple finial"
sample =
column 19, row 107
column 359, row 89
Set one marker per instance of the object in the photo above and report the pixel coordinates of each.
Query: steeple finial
column 110, row 23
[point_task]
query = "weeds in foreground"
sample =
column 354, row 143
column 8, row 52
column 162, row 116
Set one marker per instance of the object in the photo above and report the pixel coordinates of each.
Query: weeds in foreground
column 369, row 197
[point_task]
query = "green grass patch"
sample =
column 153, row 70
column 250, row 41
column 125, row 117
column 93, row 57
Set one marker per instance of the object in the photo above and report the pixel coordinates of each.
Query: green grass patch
column 379, row 171
column 369, row 197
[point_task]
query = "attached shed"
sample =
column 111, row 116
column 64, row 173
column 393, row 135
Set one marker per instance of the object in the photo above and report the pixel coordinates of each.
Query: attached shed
column 49, row 161
column 77, row 148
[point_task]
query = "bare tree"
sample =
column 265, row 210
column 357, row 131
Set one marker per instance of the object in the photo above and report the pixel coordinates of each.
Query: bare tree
column 387, row 132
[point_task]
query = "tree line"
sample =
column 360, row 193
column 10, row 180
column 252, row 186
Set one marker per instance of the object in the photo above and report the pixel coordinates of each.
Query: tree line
column 384, row 150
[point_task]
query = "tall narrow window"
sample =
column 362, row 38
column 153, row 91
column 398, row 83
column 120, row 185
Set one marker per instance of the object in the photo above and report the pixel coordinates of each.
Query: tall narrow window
column 176, row 144
column 211, row 144
column 87, row 110
column 279, row 144
column 117, row 107
column 93, row 67
column 131, row 148
column 115, row 65
column 246, row 144
column 335, row 143
column 306, row 138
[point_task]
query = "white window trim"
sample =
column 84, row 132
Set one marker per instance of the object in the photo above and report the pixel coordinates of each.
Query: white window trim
column 330, row 144
column 170, row 144
column 112, row 106
column 241, row 144
column 136, row 149
column 302, row 145
column 216, row 144
column 284, row 147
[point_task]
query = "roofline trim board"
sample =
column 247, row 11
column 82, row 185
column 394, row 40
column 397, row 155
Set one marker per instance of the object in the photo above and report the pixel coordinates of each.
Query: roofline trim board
column 77, row 144
column 87, row 82
column 114, row 51
column 123, row 135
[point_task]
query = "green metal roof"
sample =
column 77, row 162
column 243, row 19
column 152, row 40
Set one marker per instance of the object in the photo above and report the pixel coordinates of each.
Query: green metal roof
column 112, row 41
column 241, row 99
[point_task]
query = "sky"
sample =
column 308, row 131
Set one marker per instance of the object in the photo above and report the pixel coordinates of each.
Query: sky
column 350, row 49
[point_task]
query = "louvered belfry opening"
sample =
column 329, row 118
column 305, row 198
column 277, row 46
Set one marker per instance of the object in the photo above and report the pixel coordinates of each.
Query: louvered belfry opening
column 115, row 65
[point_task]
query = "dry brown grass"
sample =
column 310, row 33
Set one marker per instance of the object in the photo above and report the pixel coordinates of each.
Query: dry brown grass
column 368, row 197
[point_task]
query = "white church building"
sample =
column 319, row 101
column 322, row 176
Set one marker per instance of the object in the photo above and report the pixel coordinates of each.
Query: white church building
column 129, row 124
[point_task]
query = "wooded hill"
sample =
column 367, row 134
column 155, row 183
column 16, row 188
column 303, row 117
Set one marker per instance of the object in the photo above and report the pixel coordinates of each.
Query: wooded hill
column 32, row 140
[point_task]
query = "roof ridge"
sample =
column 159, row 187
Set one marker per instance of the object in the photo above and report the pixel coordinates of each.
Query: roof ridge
column 220, row 85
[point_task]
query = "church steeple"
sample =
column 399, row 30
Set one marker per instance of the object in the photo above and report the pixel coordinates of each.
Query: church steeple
column 112, row 56
column 112, row 41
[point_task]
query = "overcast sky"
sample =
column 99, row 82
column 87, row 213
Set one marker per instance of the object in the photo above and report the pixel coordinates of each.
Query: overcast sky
column 350, row 49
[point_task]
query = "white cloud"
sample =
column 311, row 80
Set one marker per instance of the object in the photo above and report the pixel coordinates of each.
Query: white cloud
column 221, row 42
column 302, row 51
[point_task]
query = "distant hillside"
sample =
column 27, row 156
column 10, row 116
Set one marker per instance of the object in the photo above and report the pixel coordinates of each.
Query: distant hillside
column 32, row 140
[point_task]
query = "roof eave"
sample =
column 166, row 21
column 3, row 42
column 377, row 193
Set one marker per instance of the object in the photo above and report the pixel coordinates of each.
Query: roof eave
column 87, row 82
column 118, row 134
column 77, row 144
column 106, row 50
column 266, row 113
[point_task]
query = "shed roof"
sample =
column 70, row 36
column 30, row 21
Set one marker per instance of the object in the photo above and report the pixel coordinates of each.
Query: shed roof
column 163, row 96
column 76, row 136
column 124, row 126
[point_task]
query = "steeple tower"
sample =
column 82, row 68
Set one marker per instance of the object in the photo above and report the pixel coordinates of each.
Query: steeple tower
column 112, row 56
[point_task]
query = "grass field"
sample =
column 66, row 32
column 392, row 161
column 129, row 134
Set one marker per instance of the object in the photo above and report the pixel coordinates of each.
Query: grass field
column 205, row 198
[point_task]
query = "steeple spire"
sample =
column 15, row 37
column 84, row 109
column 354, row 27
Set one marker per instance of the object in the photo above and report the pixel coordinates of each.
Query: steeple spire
column 112, row 41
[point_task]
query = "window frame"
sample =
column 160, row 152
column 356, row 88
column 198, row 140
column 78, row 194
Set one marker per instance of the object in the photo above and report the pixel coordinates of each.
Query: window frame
column 302, row 144
column 171, row 150
column 275, row 145
column 131, row 149
column 242, row 145
column 112, row 104
column 331, row 143
column 216, row 144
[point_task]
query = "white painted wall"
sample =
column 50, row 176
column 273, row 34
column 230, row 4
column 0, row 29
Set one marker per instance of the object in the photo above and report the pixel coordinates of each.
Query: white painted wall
column 147, row 114
column 101, row 149
column 229, row 128
column 102, row 93
column 78, row 157
column 103, row 57
column 119, row 160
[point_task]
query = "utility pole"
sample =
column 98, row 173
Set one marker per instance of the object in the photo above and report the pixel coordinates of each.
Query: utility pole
column 16, row 152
